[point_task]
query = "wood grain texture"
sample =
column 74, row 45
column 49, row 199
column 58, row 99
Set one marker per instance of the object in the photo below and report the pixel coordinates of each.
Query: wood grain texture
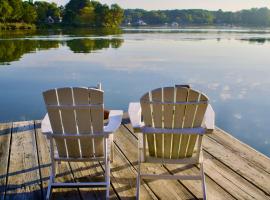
column 65, row 97
column 168, row 115
column 157, row 120
column 51, row 98
column 250, row 155
column 254, row 175
column 63, row 174
column 88, row 172
column 233, row 170
column 83, row 118
column 5, row 139
column 23, row 177
column 181, row 96
column 97, row 116
column 147, row 117
column 214, row 191
column 187, row 146
column 231, row 181
column 163, row 189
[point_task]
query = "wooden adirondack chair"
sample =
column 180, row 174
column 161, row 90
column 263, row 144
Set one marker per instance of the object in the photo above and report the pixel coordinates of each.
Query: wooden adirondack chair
column 174, row 122
column 74, row 126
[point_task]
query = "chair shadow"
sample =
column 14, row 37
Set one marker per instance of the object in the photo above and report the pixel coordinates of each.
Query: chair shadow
column 20, row 129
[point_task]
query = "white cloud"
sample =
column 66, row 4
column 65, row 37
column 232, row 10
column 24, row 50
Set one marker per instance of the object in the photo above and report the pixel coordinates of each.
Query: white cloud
column 237, row 116
column 213, row 86
column 225, row 96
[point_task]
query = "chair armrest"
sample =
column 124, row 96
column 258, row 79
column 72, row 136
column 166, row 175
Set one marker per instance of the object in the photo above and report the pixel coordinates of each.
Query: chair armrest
column 209, row 119
column 115, row 119
column 135, row 116
column 46, row 128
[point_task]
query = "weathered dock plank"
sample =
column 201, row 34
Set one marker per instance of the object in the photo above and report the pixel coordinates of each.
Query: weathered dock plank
column 162, row 189
column 214, row 191
column 247, row 170
column 23, row 176
column 89, row 172
column 230, row 181
column 233, row 169
column 241, row 149
column 123, row 177
column 5, row 140
column 63, row 171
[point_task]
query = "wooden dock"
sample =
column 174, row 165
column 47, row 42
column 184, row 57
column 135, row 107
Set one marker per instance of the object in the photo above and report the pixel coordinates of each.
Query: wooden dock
column 233, row 169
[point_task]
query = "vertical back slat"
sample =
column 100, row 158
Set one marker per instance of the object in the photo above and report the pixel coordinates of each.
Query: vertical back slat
column 83, row 117
column 68, row 121
column 181, row 96
column 200, row 111
column 168, row 113
column 189, row 122
column 157, row 119
column 97, row 117
column 50, row 98
column 198, row 118
column 147, row 118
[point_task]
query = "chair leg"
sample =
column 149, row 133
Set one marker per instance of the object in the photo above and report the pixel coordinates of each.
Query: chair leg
column 138, row 182
column 49, row 190
column 203, row 182
column 112, row 148
column 52, row 175
column 107, row 170
column 51, row 181
column 108, row 181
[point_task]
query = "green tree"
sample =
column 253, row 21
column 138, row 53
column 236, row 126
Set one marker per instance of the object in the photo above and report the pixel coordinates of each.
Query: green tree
column 117, row 15
column 92, row 13
column 87, row 16
column 72, row 10
column 29, row 13
column 41, row 8
column 17, row 11
column 45, row 9
column 54, row 11
column 5, row 11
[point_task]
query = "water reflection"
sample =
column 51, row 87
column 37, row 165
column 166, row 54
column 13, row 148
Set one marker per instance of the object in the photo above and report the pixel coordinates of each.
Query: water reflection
column 257, row 40
column 91, row 45
column 67, row 31
column 13, row 50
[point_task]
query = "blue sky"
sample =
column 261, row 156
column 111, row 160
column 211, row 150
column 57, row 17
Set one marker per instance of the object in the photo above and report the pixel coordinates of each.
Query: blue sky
column 182, row 4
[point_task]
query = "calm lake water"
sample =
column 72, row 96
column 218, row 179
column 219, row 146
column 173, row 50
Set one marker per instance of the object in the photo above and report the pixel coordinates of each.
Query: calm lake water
column 231, row 66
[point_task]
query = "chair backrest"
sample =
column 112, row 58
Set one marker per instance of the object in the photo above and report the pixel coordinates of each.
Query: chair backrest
column 76, row 111
column 173, row 108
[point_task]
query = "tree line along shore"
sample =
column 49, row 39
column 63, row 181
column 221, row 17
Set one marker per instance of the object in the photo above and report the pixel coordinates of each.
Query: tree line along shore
column 18, row 14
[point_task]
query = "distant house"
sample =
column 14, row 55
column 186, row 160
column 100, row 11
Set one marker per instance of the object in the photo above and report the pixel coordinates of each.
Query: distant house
column 174, row 24
column 50, row 20
column 140, row 23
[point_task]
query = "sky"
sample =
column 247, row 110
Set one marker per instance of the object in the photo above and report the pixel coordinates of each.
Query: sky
column 226, row 5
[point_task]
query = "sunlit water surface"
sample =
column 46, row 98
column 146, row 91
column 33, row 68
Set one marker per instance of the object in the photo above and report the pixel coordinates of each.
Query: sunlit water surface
column 232, row 66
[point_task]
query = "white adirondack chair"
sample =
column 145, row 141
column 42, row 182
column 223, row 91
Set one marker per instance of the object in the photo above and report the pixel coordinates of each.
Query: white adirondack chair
column 174, row 122
column 74, row 124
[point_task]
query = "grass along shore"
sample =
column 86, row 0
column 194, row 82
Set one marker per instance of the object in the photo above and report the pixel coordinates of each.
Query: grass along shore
column 16, row 26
